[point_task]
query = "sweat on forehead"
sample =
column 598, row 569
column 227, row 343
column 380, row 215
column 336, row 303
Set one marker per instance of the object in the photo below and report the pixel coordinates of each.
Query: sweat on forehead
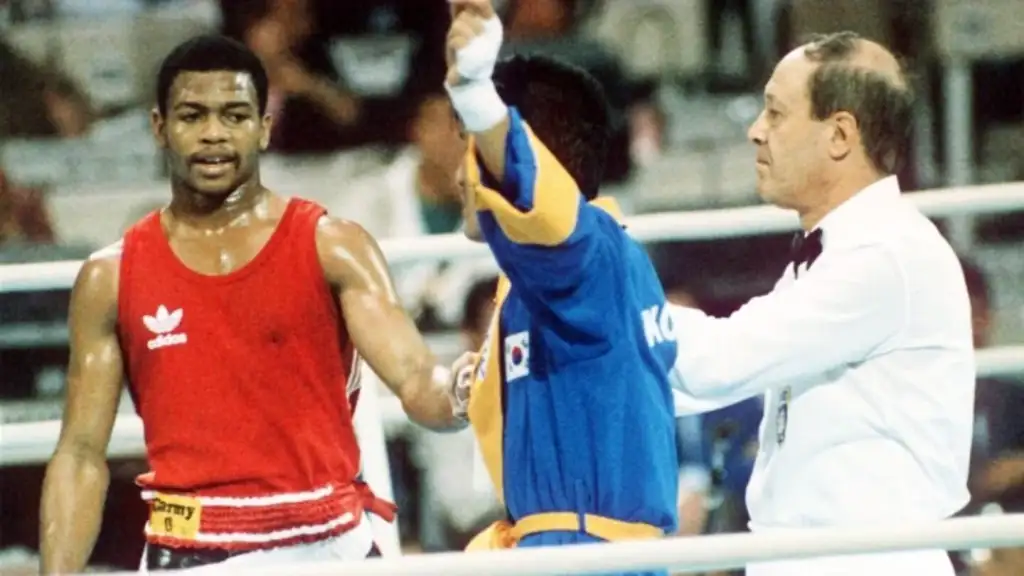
column 213, row 87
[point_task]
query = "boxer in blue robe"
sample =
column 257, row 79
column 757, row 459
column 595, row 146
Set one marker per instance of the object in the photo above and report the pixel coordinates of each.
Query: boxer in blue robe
column 571, row 402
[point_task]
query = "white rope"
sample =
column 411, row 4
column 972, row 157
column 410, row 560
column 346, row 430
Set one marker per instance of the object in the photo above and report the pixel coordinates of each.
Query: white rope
column 684, row 555
column 33, row 442
column 690, row 225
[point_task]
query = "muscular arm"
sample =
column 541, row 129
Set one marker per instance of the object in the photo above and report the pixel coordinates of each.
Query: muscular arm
column 381, row 330
column 76, row 481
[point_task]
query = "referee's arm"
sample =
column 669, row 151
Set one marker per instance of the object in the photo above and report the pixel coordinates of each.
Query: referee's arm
column 839, row 312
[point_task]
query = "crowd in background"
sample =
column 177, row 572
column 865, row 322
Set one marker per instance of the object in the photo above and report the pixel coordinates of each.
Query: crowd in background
column 356, row 94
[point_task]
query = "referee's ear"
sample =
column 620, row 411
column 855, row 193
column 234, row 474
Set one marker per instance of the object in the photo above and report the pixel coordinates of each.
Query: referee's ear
column 845, row 135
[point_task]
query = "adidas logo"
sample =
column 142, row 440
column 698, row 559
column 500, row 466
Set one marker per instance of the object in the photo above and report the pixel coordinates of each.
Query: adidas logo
column 162, row 325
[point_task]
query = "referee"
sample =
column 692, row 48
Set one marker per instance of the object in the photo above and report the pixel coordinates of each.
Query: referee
column 863, row 349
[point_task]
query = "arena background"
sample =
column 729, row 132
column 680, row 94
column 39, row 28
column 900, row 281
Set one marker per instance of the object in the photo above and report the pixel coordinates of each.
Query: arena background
column 78, row 164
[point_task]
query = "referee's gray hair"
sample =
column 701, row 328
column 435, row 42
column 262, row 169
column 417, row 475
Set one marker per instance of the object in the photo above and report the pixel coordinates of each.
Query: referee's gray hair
column 881, row 103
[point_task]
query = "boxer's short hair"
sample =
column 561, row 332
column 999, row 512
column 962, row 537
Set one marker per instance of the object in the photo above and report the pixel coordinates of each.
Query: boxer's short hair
column 210, row 53
column 567, row 110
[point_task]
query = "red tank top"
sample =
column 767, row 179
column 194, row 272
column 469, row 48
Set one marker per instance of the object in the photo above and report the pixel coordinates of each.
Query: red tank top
column 240, row 381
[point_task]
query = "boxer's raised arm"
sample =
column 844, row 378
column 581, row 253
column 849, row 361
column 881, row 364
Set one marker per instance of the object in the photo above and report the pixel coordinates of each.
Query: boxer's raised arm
column 380, row 329
column 76, row 481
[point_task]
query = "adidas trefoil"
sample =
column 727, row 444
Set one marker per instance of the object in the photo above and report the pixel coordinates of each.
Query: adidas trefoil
column 163, row 325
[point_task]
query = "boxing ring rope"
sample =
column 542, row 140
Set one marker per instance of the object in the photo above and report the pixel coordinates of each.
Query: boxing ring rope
column 683, row 555
column 666, row 226
column 34, row 442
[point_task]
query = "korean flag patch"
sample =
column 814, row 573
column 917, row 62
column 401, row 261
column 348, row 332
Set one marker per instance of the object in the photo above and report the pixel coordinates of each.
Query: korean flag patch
column 517, row 356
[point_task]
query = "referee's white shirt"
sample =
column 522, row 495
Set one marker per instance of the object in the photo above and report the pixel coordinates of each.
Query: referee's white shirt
column 866, row 363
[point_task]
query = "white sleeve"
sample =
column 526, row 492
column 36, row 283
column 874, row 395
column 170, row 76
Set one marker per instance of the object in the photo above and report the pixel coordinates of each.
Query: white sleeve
column 837, row 313
column 686, row 404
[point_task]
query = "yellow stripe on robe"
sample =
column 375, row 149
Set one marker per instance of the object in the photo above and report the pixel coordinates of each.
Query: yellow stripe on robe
column 503, row 534
column 485, row 413
column 556, row 198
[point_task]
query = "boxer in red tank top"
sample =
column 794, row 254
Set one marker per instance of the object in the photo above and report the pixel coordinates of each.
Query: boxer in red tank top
column 238, row 319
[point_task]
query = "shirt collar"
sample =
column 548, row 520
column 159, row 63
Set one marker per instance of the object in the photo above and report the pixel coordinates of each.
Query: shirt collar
column 863, row 204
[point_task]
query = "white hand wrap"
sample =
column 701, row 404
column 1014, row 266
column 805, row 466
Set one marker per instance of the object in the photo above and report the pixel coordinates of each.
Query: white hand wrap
column 475, row 99
column 476, row 60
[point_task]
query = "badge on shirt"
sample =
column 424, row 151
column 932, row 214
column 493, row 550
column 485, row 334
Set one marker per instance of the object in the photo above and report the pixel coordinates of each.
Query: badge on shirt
column 782, row 415
column 175, row 516
column 517, row 355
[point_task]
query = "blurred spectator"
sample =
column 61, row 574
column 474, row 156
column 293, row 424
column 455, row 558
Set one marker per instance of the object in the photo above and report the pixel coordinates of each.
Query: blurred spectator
column 477, row 311
column 732, row 442
column 997, row 457
column 390, row 53
column 25, row 232
column 343, row 78
column 438, row 142
column 415, row 194
column 1001, row 562
column 23, row 215
column 310, row 107
column 536, row 19
column 648, row 124
column 419, row 193
column 717, row 13
column 39, row 102
column 694, row 476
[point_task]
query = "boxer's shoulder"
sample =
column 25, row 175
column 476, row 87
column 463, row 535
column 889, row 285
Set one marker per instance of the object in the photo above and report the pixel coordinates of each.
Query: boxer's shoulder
column 343, row 246
column 109, row 253
column 334, row 230
column 103, row 265
column 96, row 285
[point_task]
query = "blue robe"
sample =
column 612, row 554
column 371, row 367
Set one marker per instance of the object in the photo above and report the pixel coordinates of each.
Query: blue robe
column 571, row 404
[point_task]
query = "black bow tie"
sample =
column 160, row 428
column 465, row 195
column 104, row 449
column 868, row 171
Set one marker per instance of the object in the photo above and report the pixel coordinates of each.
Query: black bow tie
column 805, row 249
